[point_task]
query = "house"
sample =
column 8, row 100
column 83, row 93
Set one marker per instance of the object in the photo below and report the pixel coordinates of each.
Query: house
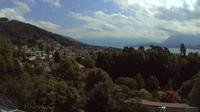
column 152, row 106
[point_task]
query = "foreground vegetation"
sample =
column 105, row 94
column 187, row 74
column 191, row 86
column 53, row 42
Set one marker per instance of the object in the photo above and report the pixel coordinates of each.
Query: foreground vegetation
column 105, row 84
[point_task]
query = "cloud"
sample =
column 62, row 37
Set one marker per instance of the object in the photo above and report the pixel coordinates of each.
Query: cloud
column 171, row 16
column 100, row 24
column 46, row 25
column 15, row 13
column 18, row 12
column 55, row 3
column 153, row 19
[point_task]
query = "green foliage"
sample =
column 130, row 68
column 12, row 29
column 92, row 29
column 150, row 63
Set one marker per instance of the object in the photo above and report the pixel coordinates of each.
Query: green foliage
column 87, row 62
column 140, row 81
column 6, row 56
column 69, row 70
column 41, row 94
column 129, row 82
column 129, row 107
column 144, row 94
column 156, row 60
column 71, row 73
column 6, row 49
column 108, row 97
column 122, row 93
column 185, row 88
column 152, row 83
column 195, row 93
column 92, row 90
column 95, row 76
column 100, row 98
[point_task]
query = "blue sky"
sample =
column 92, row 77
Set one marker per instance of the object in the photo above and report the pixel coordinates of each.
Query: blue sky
column 152, row 19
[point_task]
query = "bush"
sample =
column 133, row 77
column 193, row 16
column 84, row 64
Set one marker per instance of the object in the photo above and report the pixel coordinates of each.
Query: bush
column 152, row 83
column 94, row 77
column 140, row 81
column 100, row 98
column 144, row 94
column 195, row 94
column 171, row 96
column 129, row 82
column 41, row 94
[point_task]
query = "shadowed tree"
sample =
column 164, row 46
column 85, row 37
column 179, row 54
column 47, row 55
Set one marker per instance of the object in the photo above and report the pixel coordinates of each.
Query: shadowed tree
column 195, row 93
column 94, row 77
column 152, row 83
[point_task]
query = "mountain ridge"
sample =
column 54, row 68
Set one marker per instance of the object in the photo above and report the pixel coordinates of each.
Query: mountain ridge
column 21, row 33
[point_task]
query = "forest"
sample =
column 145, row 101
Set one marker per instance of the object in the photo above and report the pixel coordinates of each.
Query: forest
column 105, row 84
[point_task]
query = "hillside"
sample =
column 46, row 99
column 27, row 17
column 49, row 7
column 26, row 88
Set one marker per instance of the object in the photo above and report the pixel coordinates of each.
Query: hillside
column 21, row 33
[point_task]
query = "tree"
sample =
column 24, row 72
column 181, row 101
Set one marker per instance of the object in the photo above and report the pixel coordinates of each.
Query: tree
column 141, row 48
column 108, row 97
column 186, row 88
column 57, row 57
column 6, row 56
column 152, row 83
column 69, row 70
column 71, row 73
column 129, row 82
column 100, row 98
column 140, row 81
column 144, row 94
column 195, row 93
column 87, row 62
column 95, row 76
column 41, row 93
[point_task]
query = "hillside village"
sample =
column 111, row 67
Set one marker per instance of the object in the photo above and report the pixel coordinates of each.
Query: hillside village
column 43, row 53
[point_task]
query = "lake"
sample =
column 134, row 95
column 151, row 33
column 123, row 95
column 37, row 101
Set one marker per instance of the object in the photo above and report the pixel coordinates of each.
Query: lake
column 177, row 50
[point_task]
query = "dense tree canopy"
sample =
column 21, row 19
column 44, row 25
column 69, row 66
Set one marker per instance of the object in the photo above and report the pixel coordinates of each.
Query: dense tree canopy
column 107, row 84
column 195, row 93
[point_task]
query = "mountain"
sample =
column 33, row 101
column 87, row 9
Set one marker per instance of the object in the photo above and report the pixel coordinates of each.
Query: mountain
column 189, row 40
column 115, row 42
column 22, row 33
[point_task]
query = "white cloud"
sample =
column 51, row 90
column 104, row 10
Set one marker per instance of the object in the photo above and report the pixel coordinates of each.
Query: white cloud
column 55, row 3
column 46, row 25
column 172, row 16
column 126, row 4
column 22, row 8
column 153, row 19
column 100, row 24
column 15, row 13
column 18, row 12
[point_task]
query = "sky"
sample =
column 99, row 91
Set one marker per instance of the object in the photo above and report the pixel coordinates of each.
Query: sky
column 155, row 20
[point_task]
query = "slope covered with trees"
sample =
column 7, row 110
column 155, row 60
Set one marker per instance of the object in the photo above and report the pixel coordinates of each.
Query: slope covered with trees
column 67, row 89
column 107, row 83
column 23, row 33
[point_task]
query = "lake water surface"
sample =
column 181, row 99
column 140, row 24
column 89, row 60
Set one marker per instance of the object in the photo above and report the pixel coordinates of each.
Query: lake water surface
column 177, row 50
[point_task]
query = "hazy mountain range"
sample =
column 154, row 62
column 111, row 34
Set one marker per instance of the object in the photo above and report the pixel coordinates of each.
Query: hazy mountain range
column 192, row 41
column 114, row 42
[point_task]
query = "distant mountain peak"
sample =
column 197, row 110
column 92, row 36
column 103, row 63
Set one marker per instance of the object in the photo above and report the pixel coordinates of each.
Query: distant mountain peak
column 188, row 39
